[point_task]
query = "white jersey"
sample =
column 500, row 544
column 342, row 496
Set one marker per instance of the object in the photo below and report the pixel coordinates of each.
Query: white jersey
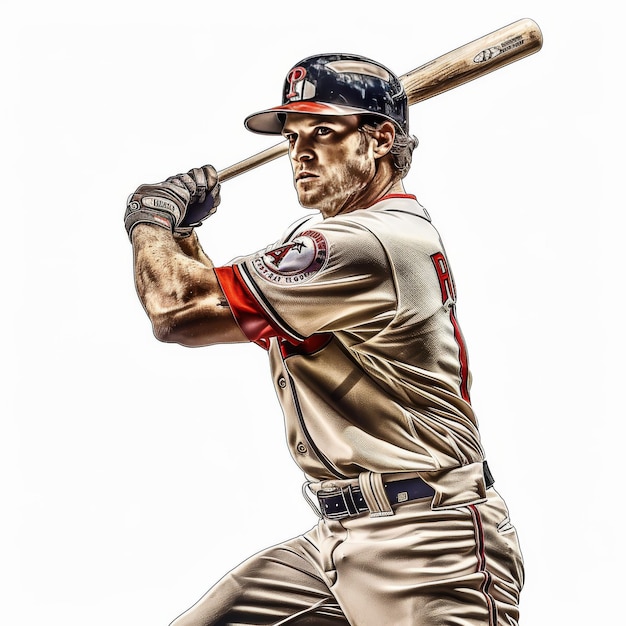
column 358, row 314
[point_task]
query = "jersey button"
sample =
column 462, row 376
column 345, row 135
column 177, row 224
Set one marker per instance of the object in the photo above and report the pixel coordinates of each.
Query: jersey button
column 282, row 383
column 301, row 448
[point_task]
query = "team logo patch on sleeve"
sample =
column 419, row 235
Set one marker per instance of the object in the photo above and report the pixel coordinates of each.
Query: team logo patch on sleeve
column 294, row 262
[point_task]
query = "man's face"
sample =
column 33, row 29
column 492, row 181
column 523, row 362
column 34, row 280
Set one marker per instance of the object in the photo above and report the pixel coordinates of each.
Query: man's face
column 332, row 161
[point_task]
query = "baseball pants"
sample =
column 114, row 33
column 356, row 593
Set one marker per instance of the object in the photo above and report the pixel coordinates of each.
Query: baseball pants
column 418, row 567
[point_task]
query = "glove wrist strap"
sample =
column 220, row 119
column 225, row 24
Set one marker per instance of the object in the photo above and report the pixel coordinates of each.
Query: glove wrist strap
column 142, row 216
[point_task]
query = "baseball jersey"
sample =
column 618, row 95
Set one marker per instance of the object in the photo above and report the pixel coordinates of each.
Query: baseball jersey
column 357, row 313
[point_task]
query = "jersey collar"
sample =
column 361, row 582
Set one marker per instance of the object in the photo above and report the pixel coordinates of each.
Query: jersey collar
column 401, row 202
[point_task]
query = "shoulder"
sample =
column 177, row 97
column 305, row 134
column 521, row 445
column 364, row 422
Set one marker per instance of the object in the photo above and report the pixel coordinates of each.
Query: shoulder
column 393, row 217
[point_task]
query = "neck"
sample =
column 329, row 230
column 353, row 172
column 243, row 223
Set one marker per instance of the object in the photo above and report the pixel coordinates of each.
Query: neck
column 385, row 182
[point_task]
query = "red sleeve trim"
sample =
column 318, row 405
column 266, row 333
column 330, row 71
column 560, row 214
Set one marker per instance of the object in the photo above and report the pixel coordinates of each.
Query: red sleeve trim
column 248, row 313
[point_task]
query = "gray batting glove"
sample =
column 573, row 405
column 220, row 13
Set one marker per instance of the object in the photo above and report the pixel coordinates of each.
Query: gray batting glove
column 204, row 189
column 161, row 204
column 179, row 204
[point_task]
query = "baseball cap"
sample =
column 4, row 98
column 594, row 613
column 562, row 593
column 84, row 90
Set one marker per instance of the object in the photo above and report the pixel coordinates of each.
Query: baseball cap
column 336, row 84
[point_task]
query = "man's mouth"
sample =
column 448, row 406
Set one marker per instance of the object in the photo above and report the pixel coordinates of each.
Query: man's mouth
column 304, row 176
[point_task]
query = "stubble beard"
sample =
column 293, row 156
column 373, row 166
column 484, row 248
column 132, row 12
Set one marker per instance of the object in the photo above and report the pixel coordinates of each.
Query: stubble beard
column 338, row 194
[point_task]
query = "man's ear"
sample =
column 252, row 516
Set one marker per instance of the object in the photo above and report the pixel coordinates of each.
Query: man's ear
column 384, row 136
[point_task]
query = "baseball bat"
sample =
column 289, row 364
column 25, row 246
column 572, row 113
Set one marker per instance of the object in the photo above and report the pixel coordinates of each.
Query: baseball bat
column 457, row 67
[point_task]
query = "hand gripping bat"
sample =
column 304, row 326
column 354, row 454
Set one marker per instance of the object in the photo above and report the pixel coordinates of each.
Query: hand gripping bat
column 457, row 67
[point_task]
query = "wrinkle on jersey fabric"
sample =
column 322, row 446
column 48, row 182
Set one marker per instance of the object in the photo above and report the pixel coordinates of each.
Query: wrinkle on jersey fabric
column 387, row 390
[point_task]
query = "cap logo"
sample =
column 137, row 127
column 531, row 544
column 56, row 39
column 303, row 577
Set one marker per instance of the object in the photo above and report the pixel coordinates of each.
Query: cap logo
column 295, row 76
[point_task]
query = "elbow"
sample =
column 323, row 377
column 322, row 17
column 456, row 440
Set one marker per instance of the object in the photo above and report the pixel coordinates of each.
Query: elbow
column 165, row 332
column 163, row 329
column 189, row 333
column 169, row 324
column 193, row 323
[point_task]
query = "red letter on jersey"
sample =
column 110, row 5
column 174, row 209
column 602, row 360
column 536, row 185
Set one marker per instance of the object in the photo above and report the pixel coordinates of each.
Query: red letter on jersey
column 448, row 297
column 445, row 278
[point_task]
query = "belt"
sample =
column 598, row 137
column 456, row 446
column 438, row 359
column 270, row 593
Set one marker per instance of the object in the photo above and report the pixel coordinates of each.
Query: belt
column 348, row 501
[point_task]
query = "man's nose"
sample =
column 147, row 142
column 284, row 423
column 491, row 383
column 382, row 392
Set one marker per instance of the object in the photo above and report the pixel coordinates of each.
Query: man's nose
column 301, row 150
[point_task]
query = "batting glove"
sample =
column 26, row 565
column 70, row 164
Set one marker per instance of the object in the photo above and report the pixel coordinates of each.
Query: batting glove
column 178, row 204
column 204, row 189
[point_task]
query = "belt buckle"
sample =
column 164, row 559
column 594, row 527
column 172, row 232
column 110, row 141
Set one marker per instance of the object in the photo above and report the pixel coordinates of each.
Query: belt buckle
column 305, row 493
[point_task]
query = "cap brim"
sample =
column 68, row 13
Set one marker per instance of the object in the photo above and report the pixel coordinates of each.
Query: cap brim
column 270, row 121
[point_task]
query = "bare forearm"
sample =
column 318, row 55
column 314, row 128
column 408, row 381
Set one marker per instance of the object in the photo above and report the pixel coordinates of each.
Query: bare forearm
column 191, row 247
column 179, row 290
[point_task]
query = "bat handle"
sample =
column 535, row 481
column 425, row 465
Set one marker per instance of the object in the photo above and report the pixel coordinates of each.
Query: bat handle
column 254, row 161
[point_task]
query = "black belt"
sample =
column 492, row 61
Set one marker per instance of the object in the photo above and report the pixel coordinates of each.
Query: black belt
column 348, row 501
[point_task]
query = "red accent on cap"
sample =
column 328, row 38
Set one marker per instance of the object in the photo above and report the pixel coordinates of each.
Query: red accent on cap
column 321, row 108
column 266, row 121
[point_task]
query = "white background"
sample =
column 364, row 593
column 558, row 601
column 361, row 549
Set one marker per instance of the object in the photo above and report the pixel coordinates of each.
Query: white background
column 133, row 473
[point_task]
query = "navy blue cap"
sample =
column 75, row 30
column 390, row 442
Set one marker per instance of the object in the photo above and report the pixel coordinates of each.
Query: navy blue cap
column 336, row 84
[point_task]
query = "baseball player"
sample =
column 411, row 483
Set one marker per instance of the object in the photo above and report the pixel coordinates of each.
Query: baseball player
column 356, row 307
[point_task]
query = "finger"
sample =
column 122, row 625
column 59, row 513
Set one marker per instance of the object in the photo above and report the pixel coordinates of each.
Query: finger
column 199, row 176
column 210, row 174
column 175, row 180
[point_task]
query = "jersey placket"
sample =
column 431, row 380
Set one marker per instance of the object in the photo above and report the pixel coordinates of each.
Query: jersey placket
column 303, row 427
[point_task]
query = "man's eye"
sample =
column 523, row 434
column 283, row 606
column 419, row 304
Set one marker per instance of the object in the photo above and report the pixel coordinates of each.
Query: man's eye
column 290, row 137
column 323, row 130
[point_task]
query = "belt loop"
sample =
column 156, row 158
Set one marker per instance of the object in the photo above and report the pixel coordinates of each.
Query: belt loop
column 373, row 491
